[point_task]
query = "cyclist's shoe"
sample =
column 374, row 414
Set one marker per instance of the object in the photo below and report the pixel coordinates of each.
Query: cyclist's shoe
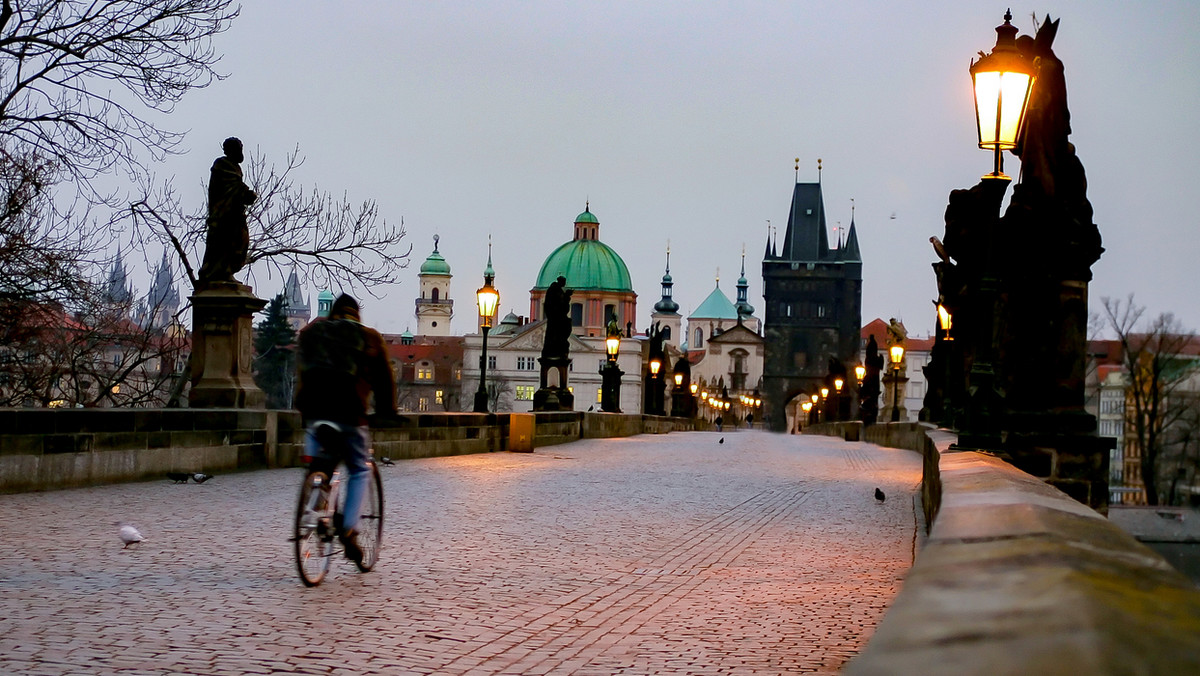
column 350, row 543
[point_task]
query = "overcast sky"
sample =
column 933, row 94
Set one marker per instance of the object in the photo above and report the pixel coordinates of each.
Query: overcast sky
column 680, row 120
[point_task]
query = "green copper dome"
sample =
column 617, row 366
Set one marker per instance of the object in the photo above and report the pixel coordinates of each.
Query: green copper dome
column 587, row 217
column 587, row 264
column 435, row 264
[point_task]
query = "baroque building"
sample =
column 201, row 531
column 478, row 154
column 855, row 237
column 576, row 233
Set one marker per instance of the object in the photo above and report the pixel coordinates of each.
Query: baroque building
column 812, row 304
column 434, row 306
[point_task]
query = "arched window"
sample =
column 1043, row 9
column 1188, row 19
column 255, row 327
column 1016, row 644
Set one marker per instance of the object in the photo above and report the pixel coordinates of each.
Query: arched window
column 699, row 338
column 434, row 294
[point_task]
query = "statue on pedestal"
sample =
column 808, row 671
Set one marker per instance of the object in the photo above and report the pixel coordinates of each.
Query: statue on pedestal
column 556, row 348
column 228, row 237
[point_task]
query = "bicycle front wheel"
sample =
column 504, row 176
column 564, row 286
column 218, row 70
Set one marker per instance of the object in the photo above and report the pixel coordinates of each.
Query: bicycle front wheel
column 370, row 527
column 313, row 536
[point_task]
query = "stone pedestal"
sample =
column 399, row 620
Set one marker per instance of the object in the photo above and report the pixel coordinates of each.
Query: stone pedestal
column 890, row 385
column 223, row 347
column 555, row 397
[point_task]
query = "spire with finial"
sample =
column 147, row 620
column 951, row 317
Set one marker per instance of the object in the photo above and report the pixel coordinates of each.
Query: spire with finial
column 744, row 308
column 797, row 169
column 767, row 253
column 435, row 243
column 488, row 273
column 667, row 305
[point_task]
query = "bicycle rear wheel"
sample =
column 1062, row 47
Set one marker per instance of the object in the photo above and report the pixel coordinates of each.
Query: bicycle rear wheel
column 370, row 525
column 314, row 531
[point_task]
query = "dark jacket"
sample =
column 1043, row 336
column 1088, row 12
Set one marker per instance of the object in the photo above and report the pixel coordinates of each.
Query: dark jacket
column 341, row 363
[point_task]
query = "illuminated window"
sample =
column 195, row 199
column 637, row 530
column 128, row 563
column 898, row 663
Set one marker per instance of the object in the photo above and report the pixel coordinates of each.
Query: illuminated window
column 458, row 374
column 424, row 372
column 423, row 404
column 438, row 397
column 525, row 392
column 599, row 391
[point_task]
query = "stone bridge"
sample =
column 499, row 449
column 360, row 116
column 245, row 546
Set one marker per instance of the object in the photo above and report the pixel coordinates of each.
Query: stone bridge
column 655, row 553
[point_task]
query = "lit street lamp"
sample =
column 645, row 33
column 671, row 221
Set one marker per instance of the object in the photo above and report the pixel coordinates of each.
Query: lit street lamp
column 488, row 299
column 610, row 373
column 897, row 356
column 1003, row 80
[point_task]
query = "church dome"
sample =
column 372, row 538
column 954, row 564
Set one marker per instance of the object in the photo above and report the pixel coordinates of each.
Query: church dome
column 435, row 264
column 587, row 264
column 585, row 261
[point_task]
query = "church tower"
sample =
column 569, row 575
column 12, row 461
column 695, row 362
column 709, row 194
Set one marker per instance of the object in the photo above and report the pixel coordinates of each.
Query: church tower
column 296, row 306
column 162, row 302
column 813, row 304
column 434, row 307
column 118, row 291
column 666, row 310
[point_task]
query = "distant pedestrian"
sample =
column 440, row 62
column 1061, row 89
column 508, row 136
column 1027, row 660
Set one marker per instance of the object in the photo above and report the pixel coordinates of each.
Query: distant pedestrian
column 750, row 420
column 718, row 421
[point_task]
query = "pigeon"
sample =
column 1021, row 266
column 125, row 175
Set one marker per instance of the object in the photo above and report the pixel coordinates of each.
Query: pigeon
column 879, row 495
column 386, row 460
column 179, row 477
column 201, row 478
column 721, row 441
column 592, row 407
column 129, row 535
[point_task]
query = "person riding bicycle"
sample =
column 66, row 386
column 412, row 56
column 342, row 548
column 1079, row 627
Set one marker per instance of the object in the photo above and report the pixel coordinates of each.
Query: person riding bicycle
column 341, row 363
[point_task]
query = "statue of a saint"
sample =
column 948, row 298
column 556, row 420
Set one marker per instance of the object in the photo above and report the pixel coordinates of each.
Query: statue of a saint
column 557, row 308
column 896, row 333
column 228, row 237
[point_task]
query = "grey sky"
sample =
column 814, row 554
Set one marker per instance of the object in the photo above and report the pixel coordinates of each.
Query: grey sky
column 680, row 121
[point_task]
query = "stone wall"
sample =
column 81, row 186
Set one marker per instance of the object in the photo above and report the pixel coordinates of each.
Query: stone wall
column 52, row 449
column 1016, row 577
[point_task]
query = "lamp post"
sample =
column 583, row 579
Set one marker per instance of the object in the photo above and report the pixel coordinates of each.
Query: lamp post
column 897, row 356
column 1002, row 82
column 838, row 382
column 816, row 411
column 651, row 400
column 610, row 373
column 488, row 298
column 680, row 397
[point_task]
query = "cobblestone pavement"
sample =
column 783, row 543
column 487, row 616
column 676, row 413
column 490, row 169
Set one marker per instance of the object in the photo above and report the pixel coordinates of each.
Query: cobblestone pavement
column 666, row 554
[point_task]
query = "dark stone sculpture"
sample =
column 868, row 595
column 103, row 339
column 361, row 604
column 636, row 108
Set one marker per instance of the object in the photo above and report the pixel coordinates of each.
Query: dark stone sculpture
column 557, row 309
column 1017, row 288
column 228, row 237
column 869, row 391
column 556, row 348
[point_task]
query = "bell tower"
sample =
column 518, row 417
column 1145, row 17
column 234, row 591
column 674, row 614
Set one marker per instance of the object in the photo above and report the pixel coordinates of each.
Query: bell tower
column 434, row 307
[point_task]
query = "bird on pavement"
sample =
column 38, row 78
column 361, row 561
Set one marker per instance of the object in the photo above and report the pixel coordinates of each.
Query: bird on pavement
column 201, row 478
column 129, row 535
column 386, row 460
column 721, row 440
column 179, row 477
column 879, row 495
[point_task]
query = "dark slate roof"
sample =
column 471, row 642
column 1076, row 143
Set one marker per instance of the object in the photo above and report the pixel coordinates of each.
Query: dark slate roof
column 806, row 240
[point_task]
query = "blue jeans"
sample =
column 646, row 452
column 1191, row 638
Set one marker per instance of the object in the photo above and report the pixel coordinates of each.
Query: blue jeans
column 356, row 454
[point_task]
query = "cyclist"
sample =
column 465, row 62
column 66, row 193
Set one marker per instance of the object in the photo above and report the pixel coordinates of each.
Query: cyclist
column 341, row 363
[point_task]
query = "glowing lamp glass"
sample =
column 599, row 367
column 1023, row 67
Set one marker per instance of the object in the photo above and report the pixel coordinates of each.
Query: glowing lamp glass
column 897, row 354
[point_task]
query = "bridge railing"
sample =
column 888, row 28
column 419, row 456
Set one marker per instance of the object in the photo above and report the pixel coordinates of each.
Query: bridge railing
column 1018, row 578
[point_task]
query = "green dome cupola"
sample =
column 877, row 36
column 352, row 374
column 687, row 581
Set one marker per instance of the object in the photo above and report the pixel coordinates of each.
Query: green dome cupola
column 585, row 261
column 435, row 264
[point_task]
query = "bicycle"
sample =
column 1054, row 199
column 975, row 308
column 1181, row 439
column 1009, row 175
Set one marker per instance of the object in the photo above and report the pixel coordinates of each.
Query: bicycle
column 319, row 513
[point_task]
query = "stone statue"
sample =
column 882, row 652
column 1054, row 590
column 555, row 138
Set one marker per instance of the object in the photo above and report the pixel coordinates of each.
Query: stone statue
column 557, row 308
column 896, row 333
column 228, row 237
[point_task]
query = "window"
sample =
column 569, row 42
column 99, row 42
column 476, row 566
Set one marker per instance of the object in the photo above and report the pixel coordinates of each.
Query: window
column 491, row 362
column 576, row 314
column 525, row 392
column 525, row 363
column 599, row 393
column 458, row 374
column 699, row 339
column 423, row 404
column 424, row 371
column 610, row 313
column 433, row 295
column 438, row 397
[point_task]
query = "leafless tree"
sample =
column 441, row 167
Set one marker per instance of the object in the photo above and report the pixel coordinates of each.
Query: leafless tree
column 79, row 77
column 332, row 241
column 1157, row 357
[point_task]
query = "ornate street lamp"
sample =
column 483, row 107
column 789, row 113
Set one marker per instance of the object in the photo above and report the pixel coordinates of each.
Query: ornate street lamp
column 488, row 299
column 1003, row 80
column 945, row 322
column 610, row 373
column 897, row 356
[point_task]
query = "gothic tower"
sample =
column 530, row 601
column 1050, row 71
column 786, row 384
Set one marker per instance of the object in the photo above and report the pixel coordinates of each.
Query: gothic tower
column 434, row 307
column 813, row 304
column 296, row 306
